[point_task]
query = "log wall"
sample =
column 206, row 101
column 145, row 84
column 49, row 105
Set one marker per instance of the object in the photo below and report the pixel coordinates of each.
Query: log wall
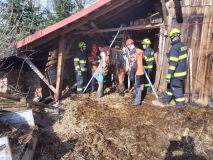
column 197, row 33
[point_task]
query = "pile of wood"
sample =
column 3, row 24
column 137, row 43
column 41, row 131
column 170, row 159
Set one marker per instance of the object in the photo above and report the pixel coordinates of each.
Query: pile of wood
column 18, row 135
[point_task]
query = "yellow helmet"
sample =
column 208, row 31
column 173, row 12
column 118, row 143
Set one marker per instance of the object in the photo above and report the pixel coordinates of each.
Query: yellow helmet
column 146, row 41
column 82, row 44
column 174, row 32
column 117, row 46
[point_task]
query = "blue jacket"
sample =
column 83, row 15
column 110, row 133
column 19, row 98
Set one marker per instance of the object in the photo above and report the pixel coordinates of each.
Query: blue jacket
column 177, row 58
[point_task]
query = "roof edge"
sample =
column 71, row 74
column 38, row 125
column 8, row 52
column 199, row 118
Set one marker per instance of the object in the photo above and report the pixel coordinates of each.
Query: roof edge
column 39, row 34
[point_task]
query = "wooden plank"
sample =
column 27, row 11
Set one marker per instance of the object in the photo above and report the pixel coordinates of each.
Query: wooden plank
column 40, row 104
column 164, row 13
column 139, row 27
column 190, row 73
column 114, row 5
column 41, row 76
column 31, row 146
column 9, row 96
column 94, row 26
column 5, row 151
column 18, row 118
column 60, row 67
column 112, row 15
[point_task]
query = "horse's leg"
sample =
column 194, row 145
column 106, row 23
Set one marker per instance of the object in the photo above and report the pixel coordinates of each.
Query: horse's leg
column 100, row 91
column 116, row 81
column 121, row 77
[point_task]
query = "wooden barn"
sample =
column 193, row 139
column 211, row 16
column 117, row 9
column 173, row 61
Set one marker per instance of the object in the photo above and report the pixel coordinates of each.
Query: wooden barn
column 195, row 19
column 52, row 48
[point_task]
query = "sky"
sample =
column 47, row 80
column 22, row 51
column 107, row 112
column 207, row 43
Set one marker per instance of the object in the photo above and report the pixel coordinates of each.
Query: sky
column 49, row 3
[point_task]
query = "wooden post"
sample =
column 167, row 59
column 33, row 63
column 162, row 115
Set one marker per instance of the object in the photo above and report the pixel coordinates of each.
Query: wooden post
column 190, row 73
column 164, row 13
column 60, row 67
column 35, row 69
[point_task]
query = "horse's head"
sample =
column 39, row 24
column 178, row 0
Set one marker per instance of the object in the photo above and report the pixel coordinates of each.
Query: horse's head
column 112, row 57
column 104, row 53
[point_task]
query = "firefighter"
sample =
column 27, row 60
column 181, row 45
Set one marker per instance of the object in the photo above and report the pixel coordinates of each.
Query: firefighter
column 177, row 72
column 80, row 62
column 93, row 63
column 149, row 60
column 136, row 71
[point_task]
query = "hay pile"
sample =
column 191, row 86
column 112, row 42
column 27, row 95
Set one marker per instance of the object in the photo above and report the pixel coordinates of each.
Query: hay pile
column 111, row 129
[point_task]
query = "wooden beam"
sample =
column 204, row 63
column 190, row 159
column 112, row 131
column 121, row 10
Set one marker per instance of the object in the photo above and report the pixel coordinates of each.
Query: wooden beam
column 139, row 27
column 164, row 13
column 41, row 76
column 119, row 11
column 42, row 41
column 83, row 28
column 16, row 98
column 60, row 67
column 9, row 96
column 93, row 25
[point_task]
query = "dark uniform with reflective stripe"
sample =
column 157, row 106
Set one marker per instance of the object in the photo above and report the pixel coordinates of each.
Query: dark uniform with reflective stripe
column 149, row 60
column 177, row 73
column 80, row 63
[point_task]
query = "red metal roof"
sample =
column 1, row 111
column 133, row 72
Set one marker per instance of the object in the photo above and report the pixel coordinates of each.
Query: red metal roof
column 56, row 26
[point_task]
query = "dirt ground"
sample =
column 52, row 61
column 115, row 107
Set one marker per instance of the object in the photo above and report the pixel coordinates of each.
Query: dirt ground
column 109, row 128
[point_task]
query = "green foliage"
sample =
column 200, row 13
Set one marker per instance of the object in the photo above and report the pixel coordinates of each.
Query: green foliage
column 63, row 9
column 23, row 17
column 80, row 4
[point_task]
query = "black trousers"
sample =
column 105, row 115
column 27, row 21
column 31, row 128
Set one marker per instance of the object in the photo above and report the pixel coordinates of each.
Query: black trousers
column 174, row 90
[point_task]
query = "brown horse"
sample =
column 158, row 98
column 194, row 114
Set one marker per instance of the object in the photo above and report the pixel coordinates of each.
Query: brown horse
column 114, row 61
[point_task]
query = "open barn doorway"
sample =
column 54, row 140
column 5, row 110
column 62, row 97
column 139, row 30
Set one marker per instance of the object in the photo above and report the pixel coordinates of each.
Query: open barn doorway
column 105, row 40
column 152, row 33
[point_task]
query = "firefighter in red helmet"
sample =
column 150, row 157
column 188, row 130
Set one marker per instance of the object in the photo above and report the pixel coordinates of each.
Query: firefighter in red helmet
column 136, row 70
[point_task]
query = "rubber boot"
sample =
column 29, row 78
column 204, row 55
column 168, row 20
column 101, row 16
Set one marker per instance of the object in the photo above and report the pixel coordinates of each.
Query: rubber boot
column 137, row 100
column 180, row 105
column 92, row 85
column 100, row 91
column 149, row 90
